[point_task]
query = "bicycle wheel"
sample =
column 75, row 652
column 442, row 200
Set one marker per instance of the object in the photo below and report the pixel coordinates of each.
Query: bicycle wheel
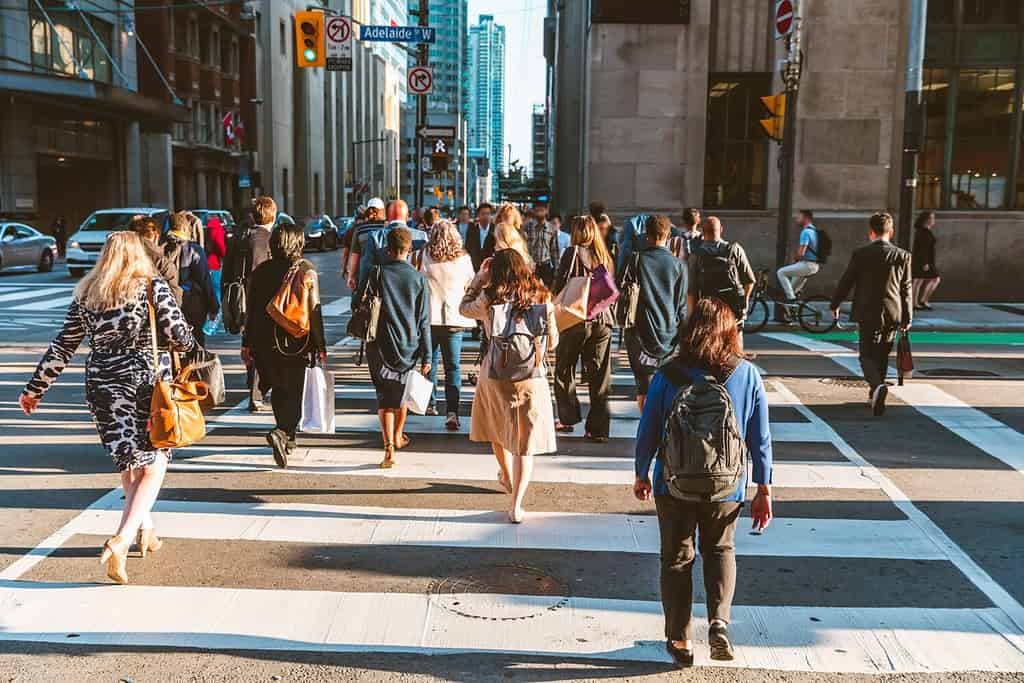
column 815, row 315
column 757, row 316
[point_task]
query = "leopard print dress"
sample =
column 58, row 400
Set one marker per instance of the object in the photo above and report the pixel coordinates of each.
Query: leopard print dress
column 119, row 372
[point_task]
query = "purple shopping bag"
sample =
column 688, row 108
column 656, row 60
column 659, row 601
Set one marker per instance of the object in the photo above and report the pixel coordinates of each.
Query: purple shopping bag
column 603, row 292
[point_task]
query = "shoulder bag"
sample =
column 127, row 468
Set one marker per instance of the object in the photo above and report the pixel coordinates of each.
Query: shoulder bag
column 571, row 302
column 366, row 313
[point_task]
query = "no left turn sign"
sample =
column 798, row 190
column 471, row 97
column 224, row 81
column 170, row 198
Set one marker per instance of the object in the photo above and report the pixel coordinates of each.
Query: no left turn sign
column 421, row 80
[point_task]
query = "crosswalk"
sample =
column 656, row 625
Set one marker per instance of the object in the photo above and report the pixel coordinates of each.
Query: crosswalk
column 335, row 555
column 33, row 307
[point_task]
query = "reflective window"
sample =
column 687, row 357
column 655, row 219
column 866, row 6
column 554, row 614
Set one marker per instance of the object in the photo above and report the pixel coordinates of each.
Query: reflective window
column 69, row 48
column 735, row 161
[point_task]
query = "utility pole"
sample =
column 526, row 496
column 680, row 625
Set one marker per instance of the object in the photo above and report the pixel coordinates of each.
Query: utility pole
column 913, row 116
column 422, row 59
column 787, row 160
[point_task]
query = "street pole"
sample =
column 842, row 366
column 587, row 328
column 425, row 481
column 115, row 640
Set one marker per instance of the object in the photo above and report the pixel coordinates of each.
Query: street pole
column 913, row 115
column 791, row 77
column 422, row 59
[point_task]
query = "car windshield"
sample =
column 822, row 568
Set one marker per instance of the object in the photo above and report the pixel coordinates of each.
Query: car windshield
column 114, row 221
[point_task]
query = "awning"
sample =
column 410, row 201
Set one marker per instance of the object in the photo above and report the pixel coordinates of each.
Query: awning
column 95, row 98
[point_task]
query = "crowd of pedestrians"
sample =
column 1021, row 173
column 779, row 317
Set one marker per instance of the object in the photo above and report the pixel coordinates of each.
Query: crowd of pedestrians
column 531, row 292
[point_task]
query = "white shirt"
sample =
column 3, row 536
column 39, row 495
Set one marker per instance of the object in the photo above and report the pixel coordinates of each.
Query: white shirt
column 448, row 282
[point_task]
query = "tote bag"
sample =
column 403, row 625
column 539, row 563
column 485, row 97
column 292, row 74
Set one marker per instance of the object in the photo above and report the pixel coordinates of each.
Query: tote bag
column 416, row 396
column 571, row 302
column 603, row 292
column 318, row 402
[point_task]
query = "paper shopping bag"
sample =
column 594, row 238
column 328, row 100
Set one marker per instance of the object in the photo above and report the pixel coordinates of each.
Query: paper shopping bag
column 416, row 396
column 318, row 402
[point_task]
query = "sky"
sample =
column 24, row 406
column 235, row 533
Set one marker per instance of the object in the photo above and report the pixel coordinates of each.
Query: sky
column 525, row 67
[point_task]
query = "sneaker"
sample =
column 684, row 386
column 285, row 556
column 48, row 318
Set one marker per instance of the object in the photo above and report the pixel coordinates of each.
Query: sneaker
column 878, row 396
column 291, row 446
column 256, row 406
column 681, row 656
column 278, row 441
column 718, row 639
column 452, row 422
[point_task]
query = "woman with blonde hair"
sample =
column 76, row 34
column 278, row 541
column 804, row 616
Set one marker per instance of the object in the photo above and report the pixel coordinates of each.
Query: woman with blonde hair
column 513, row 416
column 508, row 236
column 449, row 272
column 509, row 215
column 590, row 340
column 120, row 305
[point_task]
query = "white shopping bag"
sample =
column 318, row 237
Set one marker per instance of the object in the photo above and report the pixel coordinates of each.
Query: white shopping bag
column 318, row 402
column 417, row 392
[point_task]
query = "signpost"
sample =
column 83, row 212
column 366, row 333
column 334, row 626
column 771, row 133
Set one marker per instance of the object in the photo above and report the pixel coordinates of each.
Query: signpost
column 421, row 80
column 339, row 44
column 784, row 18
column 398, row 34
column 436, row 132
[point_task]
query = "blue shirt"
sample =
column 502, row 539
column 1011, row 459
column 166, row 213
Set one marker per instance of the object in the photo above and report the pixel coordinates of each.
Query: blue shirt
column 746, row 390
column 365, row 244
column 809, row 239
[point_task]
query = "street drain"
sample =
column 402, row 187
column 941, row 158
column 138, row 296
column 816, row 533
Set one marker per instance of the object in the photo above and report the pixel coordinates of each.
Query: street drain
column 501, row 592
column 955, row 372
column 846, row 382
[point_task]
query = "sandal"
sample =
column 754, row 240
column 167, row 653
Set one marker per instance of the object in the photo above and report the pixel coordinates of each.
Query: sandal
column 389, row 457
column 404, row 443
column 503, row 482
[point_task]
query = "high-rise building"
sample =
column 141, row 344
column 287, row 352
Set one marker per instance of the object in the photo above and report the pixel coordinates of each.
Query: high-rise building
column 539, row 128
column 486, row 112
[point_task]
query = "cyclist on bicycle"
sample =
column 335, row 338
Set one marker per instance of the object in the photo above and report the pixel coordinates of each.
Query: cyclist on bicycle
column 793, row 277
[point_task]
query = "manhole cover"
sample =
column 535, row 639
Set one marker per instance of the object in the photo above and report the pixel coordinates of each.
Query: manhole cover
column 847, row 382
column 501, row 592
column 955, row 372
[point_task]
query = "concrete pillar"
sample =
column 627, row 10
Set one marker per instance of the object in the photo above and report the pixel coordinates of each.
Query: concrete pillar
column 133, row 181
column 18, row 192
column 157, row 175
column 201, row 190
column 215, row 197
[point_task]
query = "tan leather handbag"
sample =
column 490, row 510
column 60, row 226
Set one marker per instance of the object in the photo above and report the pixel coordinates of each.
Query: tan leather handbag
column 175, row 411
column 292, row 307
column 571, row 302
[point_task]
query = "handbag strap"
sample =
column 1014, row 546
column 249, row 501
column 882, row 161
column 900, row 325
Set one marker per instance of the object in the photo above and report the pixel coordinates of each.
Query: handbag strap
column 152, row 323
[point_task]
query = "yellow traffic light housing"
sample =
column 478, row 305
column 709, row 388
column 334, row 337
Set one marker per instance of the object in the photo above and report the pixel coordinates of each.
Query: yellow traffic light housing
column 776, row 106
column 309, row 39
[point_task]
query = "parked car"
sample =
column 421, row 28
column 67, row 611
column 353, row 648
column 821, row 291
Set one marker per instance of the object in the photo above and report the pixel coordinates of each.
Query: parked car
column 322, row 234
column 84, row 246
column 226, row 219
column 22, row 245
column 344, row 224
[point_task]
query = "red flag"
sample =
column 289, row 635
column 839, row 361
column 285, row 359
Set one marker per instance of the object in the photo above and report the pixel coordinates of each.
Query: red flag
column 229, row 129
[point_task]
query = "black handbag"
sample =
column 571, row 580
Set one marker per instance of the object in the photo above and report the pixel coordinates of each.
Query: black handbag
column 904, row 358
column 629, row 295
column 366, row 313
column 209, row 371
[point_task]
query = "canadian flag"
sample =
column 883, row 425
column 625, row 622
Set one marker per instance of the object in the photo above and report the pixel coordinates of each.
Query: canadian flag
column 229, row 129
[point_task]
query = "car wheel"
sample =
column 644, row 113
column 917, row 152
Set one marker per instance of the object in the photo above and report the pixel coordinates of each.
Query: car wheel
column 76, row 272
column 46, row 261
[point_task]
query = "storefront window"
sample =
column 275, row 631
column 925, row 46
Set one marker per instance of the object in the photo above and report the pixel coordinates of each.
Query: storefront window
column 70, row 43
column 933, row 154
column 735, row 161
column 981, row 144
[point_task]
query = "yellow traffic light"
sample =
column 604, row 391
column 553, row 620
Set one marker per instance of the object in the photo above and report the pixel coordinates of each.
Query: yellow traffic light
column 776, row 106
column 309, row 39
column 451, row 195
column 437, row 191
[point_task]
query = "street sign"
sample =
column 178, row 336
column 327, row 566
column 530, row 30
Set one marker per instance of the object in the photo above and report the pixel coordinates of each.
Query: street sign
column 421, row 80
column 398, row 34
column 436, row 132
column 784, row 18
column 339, row 44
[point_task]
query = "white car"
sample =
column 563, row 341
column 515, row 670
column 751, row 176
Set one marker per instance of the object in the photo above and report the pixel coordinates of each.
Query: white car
column 22, row 245
column 84, row 246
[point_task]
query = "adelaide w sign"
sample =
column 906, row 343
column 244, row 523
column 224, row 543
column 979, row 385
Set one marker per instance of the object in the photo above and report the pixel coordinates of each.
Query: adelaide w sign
column 640, row 11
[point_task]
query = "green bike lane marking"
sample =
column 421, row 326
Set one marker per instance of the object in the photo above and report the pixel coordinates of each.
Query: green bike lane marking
column 942, row 338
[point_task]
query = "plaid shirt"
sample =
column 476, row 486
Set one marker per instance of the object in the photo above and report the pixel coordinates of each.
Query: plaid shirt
column 542, row 240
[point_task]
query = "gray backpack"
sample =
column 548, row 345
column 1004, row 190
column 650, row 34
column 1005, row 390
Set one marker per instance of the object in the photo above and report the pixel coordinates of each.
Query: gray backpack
column 517, row 342
column 703, row 453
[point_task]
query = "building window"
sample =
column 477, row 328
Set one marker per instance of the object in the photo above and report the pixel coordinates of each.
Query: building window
column 736, row 154
column 282, row 34
column 972, row 106
column 70, row 43
column 192, row 46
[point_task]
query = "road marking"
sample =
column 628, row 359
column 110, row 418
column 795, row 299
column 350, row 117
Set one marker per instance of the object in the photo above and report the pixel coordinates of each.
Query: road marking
column 337, row 308
column 21, row 295
column 58, row 302
column 348, row 525
column 873, row 640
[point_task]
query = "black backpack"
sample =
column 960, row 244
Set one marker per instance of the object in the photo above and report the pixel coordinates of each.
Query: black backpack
column 238, row 265
column 629, row 294
column 824, row 250
column 719, row 277
column 703, row 452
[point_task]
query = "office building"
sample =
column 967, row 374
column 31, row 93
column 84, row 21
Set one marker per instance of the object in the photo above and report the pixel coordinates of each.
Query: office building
column 486, row 111
column 539, row 141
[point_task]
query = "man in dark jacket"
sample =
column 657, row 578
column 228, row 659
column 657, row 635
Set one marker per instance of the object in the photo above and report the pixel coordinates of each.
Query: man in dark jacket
column 198, row 300
column 479, row 240
column 164, row 260
column 879, row 274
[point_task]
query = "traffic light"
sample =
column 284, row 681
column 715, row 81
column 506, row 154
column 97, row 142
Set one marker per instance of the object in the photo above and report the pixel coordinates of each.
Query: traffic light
column 437, row 191
column 309, row 39
column 776, row 106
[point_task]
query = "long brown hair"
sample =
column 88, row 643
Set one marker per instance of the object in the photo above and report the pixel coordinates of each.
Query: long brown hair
column 513, row 281
column 586, row 234
column 711, row 337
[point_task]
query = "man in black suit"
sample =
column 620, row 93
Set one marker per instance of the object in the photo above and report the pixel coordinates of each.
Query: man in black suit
column 479, row 240
column 879, row 274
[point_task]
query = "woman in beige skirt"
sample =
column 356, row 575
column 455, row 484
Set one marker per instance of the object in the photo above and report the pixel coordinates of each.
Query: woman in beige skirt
column 514, row 417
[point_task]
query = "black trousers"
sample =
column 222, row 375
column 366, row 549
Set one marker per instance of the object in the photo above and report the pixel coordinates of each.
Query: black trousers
column 286, row 376
column 591, row 341
column 715, row 527
column 874, row 347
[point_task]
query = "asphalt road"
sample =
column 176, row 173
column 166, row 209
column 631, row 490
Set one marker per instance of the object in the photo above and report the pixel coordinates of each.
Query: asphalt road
column 897, row 548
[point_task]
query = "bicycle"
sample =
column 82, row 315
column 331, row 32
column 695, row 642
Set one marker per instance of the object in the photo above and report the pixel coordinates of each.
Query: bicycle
column 813, row 313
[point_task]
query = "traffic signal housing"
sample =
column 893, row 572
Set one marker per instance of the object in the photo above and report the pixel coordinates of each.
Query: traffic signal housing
column 309, row 39
column 776, row 106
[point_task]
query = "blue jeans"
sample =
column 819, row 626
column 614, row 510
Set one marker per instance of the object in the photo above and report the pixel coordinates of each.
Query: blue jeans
column 215, row 276
column 447, row 342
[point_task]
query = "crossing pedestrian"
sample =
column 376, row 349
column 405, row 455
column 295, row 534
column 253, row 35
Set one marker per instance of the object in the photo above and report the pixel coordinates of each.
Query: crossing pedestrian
column 509, row 236
column 165, row 262
column 248, row 250
column 198, row 301
column 449, row 272
column 709, row 348
column 879, row 275
column 113, row 305
column 662, row 303
column 402, row 342
column 720, row 269
column 367, row 238
column 925, row 272
column 564, row 239
column 542, row 240
column 478, row 235
column 216, row 247
column 515, row 417
column 590, row 340
column 281, row 360
column 691, row 236
column 463, row 221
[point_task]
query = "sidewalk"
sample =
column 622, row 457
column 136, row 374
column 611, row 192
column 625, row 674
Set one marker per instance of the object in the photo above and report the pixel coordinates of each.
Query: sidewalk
column 958, row 317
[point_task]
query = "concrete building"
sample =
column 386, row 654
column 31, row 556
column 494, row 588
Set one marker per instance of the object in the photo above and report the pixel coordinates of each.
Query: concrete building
column 481, row 182
column 486, row 111
column 656, row 117
column 539, row 141
column 73, row 123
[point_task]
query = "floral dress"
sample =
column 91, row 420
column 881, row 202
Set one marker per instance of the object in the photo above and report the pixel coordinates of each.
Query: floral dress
column 119, row 372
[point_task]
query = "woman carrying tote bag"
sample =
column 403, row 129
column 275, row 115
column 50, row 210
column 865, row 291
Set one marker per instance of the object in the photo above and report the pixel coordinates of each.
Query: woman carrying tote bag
column 589, row 340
